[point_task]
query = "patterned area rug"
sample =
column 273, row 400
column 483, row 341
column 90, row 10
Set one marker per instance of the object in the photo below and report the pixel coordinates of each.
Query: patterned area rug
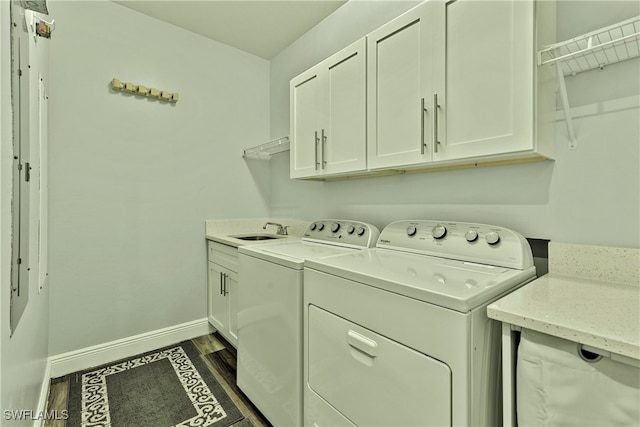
column 167, row 387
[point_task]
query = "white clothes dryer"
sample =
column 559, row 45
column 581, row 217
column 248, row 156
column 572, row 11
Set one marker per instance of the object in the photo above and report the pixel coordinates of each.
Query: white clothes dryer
column 270, row 313
column 398, row 335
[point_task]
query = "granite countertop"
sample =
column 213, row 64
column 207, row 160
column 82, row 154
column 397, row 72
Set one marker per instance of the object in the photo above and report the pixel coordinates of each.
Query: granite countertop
column 590, row 296
column 221, row 230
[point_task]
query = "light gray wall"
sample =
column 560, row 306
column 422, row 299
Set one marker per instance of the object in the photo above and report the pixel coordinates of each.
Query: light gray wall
column 590, row 195
column 132, row 180
column 23, row 355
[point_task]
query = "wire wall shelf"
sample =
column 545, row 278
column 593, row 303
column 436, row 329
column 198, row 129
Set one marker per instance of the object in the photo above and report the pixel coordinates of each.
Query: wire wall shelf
column 268, row 149
column 596, row 49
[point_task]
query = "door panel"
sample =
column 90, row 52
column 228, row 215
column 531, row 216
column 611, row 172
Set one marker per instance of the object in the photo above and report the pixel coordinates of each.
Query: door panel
column 344, row 148
column 305, row 98
column 218, row 305
column 373, row 380
column 399, row 76
column 484, row 80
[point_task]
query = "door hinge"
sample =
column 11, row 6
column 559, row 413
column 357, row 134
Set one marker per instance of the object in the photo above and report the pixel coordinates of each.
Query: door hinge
column 19, row 261
column 19, row 73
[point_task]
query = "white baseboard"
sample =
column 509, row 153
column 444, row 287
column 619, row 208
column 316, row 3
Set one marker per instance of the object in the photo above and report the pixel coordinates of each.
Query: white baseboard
column 85, row 358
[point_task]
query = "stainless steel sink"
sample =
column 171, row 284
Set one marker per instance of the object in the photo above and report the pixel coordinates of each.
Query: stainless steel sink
column 255, row 237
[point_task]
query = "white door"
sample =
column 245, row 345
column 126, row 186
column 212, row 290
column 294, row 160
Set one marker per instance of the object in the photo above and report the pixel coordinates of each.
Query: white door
column 218, row 304
column 344, row 132
column 399, row 75
column 484, row 78
column 305, row 96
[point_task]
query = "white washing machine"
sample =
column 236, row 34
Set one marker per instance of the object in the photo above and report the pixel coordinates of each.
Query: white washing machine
column 270, row 313
column 398, row 335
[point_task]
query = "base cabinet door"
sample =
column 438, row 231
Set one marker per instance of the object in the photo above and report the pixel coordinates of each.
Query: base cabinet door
column 222, row 301
column 484, row 78
column 231, row 286
column 218, row 302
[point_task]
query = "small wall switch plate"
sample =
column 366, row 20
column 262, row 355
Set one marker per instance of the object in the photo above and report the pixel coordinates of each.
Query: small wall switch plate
column 142, row 90
column 165, row 95
column 174, row 97
column 154, row 92
column 130, row 87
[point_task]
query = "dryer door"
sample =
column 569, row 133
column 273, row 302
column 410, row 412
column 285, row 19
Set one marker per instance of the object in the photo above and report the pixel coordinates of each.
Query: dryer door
column 373, row 380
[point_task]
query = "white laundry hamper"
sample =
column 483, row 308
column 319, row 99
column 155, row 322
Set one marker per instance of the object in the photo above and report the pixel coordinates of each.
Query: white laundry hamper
column 560, row 384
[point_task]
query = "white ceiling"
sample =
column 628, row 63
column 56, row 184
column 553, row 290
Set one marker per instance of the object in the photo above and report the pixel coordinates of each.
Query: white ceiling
column 261, row 27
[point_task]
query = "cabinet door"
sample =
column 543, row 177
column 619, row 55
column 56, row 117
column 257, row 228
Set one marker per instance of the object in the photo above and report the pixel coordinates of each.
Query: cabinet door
column 305, row 98
column 218, row 303
column 344, row 132
column 484, row 78
column 231, row 288
column 399, row 75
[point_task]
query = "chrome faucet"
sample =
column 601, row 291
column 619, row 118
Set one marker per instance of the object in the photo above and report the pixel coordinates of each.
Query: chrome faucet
column 282, row 230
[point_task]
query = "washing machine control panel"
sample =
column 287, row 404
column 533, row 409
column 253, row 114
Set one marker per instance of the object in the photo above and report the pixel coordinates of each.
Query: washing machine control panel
column 481, row 243
column 342, row 232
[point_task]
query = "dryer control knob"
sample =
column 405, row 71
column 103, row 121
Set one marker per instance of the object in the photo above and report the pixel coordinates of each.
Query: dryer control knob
column 492, row 238
column 439, row 231
column 313, row 226
column 471, row 235
column 351, row 229
column 411, row 230
column 335, row 227
column 360, row 231
column 320, row 226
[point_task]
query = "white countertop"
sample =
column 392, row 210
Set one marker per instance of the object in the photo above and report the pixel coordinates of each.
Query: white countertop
column 221, row 230
column 601, row 313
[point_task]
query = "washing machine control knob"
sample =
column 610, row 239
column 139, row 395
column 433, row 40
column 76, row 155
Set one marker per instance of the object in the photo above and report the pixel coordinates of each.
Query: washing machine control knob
column 492, row 238
column 313, row 226
column 411, row 230
column 351, row 229
column 320, row 226
column 471, row 235
column 360, row 231
column 335, row 227
column 439, row 231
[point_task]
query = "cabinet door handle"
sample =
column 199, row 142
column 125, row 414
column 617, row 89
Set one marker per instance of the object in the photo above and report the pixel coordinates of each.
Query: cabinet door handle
column 224, row 288
column 422, row 111
column 221, row 283
column 435, row 123
column 324, row 147
column 316, row 150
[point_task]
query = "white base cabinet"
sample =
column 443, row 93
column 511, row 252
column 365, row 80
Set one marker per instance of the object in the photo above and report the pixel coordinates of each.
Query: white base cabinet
column 222, row 296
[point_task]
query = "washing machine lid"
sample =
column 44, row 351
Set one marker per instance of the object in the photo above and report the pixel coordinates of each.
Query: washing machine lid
column 453, row 284
column 293, row 254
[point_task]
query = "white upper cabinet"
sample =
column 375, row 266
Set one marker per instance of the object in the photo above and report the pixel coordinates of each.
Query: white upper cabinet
column 448, row 83
column 328, row 116
column 485, row 79
column 400, row 68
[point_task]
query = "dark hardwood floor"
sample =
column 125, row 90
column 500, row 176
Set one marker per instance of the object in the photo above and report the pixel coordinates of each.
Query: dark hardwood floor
column 219, row 356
